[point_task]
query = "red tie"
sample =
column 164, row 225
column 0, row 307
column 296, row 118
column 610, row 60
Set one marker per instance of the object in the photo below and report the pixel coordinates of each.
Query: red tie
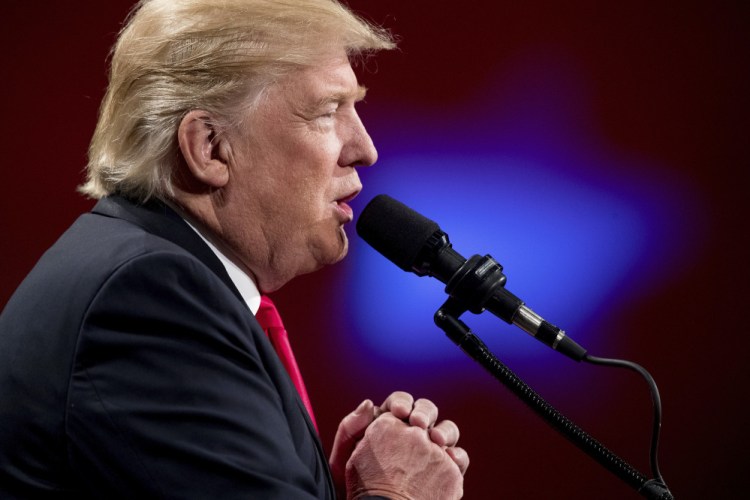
column 270, row 321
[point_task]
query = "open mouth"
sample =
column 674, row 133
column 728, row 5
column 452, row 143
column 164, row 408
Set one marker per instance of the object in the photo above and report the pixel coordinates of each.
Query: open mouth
column 342, row 205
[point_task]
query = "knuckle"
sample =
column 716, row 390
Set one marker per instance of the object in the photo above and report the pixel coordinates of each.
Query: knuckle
column 426, row 403
column 401, row 395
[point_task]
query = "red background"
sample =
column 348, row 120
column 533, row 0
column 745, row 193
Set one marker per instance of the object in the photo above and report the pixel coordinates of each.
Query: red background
column 671, row 83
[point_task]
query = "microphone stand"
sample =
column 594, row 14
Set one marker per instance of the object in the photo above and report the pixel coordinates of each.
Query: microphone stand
column 447, row 319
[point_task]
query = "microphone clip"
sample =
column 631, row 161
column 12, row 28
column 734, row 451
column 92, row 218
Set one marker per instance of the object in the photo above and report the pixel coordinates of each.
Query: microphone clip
column 480, row 284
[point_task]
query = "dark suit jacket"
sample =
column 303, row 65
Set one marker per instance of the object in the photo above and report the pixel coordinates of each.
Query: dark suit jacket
column 130, row 367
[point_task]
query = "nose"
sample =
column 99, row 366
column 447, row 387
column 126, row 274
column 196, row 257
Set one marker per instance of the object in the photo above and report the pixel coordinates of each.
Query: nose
column 358, row 149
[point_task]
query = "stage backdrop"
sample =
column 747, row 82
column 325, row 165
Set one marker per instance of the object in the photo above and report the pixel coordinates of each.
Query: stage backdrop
column 597, row 150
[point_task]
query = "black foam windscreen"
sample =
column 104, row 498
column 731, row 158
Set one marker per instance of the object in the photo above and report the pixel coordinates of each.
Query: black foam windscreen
column 395, row 230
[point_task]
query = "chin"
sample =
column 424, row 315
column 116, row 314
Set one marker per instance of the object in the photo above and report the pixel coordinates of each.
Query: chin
column 343, row 244
column 333, row 251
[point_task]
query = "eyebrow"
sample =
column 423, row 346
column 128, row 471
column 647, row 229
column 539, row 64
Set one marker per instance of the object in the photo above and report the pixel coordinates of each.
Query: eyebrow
column 342, row 96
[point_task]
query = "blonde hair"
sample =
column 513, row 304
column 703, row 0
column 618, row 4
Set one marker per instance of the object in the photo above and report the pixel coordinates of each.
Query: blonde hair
column 173, row 56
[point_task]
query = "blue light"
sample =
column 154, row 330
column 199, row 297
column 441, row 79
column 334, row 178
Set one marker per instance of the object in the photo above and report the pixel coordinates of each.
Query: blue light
column 579, row 227
column 541, row 227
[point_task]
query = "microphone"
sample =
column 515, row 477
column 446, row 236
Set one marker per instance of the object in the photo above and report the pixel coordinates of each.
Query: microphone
column 417, row 244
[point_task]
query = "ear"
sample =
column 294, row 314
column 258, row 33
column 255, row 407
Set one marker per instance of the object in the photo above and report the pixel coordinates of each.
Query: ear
column 205, row 153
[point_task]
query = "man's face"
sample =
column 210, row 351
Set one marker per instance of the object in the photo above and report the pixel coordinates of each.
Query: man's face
column 292, row 172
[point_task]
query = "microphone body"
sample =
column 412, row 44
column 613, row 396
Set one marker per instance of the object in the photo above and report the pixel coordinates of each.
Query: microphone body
column 417, row 244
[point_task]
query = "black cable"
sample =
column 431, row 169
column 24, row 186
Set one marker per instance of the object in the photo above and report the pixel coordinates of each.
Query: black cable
column 461, row 335
column 655, row 399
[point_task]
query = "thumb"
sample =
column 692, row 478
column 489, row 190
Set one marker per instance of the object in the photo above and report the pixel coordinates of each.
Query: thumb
column 351, row 429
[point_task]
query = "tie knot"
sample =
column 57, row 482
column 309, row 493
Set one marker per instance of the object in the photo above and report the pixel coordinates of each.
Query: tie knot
column 267, row 315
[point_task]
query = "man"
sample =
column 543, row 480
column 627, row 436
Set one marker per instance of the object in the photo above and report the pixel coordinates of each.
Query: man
column 131, row 363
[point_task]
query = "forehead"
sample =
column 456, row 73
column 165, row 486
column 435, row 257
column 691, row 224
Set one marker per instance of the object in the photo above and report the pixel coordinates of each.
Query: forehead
column 331, row 80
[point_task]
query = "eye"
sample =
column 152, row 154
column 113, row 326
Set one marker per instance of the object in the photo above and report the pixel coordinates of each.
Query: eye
column 330, row 109
column 328, row 113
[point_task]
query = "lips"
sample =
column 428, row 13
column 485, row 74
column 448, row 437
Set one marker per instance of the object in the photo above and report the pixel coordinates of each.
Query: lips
column 342, row 206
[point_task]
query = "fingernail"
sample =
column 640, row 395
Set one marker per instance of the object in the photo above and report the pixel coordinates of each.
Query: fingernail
column 363, row 407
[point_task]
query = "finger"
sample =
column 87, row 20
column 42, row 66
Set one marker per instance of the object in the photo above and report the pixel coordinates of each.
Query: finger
column 424, row 414
column 352, row 426
column 445, row 433
column 460, row 457
column 399, row 403
column 351, row 429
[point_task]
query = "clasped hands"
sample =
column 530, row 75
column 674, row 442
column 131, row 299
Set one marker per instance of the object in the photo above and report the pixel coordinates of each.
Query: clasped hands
column 398, row 450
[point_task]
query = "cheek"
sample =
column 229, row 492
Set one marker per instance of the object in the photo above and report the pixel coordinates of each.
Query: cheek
column 314, row 192
column 304, row 180
column 304, row 202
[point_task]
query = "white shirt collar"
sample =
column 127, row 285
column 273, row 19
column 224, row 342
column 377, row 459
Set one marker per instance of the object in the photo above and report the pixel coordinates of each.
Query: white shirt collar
column 247, row 288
